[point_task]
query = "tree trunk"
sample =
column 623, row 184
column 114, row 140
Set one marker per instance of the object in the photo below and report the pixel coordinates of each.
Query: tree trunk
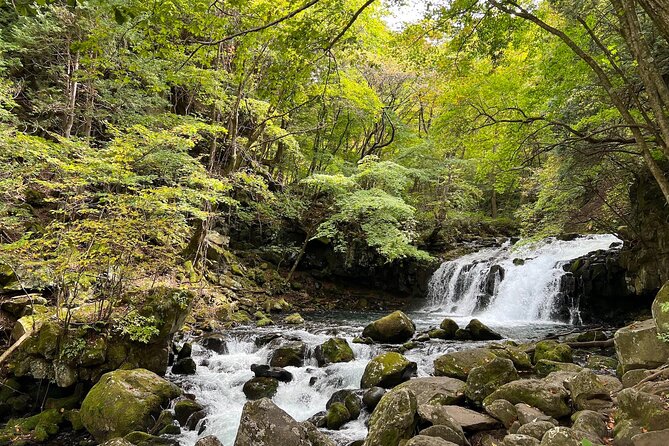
column 658, row 11
column 72, row 89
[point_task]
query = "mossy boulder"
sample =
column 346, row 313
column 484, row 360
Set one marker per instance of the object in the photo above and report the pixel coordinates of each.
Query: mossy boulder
column 545, row 367
column 588, row 392
column 521, row 360
column 276, row 306
column 394, row 328
column 459, row 364
column 553, row 351
column 481, row 332
column 502, row 410
column 450, row 327
column 393, row 420
column 184, row 408
column 139, row 438
column 332, row 351
column 289, row 354
column 600, row 362
column 638, row 347
column 387, row 370
column 35, row 429
column 639, row 412
column 337, row 416
column 124, row 401
column 660, row 310
column 549, row 397
column 260, row 387
column 484, row 379
column 435, row 390
column 294, row 319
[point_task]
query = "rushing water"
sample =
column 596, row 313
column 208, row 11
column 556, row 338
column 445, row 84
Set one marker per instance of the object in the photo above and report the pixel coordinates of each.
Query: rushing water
column 518, row 309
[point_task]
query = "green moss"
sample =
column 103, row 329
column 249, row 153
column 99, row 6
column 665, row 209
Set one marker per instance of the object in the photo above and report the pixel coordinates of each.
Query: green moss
column 294, row 319
column 552, row 351
column 37, row 428
column 334, row 350
column 337, row 416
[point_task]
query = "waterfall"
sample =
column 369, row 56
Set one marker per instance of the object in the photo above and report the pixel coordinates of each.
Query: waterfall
column 509, row 283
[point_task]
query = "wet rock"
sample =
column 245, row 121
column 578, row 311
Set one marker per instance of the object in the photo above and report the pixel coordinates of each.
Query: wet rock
column 209, row 440
column 184, row 409
column 260, row 387
column 332, row 351
column 393, row 420
column 372, row 397
column 186, row 351
column 528, row 414
column 462, row 334
column 423, row 440
column 193, row 421
column 454, row 434
column 484, row 379
column 165, row 424
column 470, row 420
column 124, row 401
column 392, row 329
column 546, row 396
column 536, row 429
column 450, row 327
column 553, row 351
column 436, row 390
column 387, row 370
column 185, row 366
column 545, row 367
column 638, row 347
column 266, row 371
column 318, row 419
column 337, row 415
column 117, row 442
column 263, row 340
column 289, row 354
column 349, row 399
column 481, row 332
column 438, row 333
column 216, row 343
column 502, row 410
column 459, row 364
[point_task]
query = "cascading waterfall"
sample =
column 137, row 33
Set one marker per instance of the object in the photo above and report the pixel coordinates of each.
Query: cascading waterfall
column 507, row 284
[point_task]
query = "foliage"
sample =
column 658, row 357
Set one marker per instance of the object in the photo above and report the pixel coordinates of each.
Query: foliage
column 138, row 328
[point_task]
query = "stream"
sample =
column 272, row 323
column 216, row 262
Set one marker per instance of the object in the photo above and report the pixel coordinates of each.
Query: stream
column 519, row 306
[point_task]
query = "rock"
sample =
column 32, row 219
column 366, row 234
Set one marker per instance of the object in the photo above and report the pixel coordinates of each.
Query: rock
column 519, row 440
column 470, row 420
column 387, row 370
column 21, row 305
column 484, row 379
column 438, row 333
column 165, row 424
column 294, row 319
column 462, row 334
column 392, row 329
column 124, row 401
column 633, row 377
column 349, row 399
column 546, row 396
column 186, row 351
column 264, row 424
column 561, row 436
column 552, row 351
column 337, row 416
column 117, row 442
column 184, row 409
column 393, row 420
column 318, row 419
column 35, row 429
column 264, row 322
column 276, row 305
column 459, row 364
column 372, row 397
column 599, row 362
column 545, row 367
column 503, row 410
column 185, row 366
column 481, row 332
column 332, row 351
column 265, row 339
column 209, row 440
column 289, row 354
column 528, row 414
column 587, row 392
column 536, row 429
column 660, row 309
column 436, row 389
column 143, row 439
column 657, row 438
column 639, row 412
column 423, row 440
column 638, row 347
column 593, row 423
column 521, row 360
column 450, row 327
column 266, row 371
column 454, row 434
column 260, row 387
column 316, row 437
column 216, row 343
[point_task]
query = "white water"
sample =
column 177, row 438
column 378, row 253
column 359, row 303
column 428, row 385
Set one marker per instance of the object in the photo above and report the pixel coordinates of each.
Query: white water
column 527, row 292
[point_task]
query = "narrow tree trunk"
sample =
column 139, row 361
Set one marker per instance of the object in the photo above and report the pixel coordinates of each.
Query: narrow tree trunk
column 72, row 89
column 658, row 11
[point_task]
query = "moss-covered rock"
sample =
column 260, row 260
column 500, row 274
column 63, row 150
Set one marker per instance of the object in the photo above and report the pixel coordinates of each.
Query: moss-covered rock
column 124, row 401
column 257, row 388
column 481, row 332
column 394, row 328
column 37, row 428
column 549, row 397
column 639, row 412
column 484, row 379
column 459, row 364
column 294, row 319
column 435, row 390
column 521, row 360
column 337, row 416
column 393, row 420
column 276, row 306
column 553, row 351
column 332, row 351
column 660, row 310
column 600, row 362
column 184, row 408
column 450, row 327
column 387, row 370
column 638, row 346
column 588, row 392
column 289, row 354
column 545, row 367
column 139, row 438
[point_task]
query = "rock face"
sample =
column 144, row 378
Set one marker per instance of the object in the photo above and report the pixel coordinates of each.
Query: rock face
column 387, row 370
column 265, row 424
column 332, row 351
column 124, row 401
column 486, row 378
column 459, row 364
column 435, row 390
column 393, row 420
column 549, row 397
column 638, row 347
column 392, row 329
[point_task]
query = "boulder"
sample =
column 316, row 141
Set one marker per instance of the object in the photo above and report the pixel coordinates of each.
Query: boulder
column 387, row 370
column 423, row 440
column 528, row 414
column 165, row 424
column 436, row 389
column 437, row 333
column 209, row 440
column 332, row 351
column 503, row 410
column 138, row 438
column 484, row 379
column 184, row 366
column 184, row 409
column 337, row 416
column 264, row 424
column 289, row 354
column 590, row 422
column 124, row 401
column 459, row 364
column 638, row 346
column 462, row 334
column 521, row 360
column 294, row 319
column 450, row 327
column 562, row 436
column 260, row 387
column 639, row 412
column 216, row 343
column 186, row 351
column 552, row 351
column 349, row 399
column 470, row 420
column 600, row 362
column 316, row 437
column 481, row 332
column 657, row 438
column 372, row 397
column 454, row 434
column 550, row 398
column 393, row 420
column 35, row 429
column 392, row 329
column 545, row 367
column 660, row 310
column 536, row 429
column 117, row 442
column 519, row 440
column 588, row 392
column 266, row 371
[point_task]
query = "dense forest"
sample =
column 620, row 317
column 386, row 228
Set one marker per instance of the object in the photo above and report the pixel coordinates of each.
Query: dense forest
column 216, row 163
